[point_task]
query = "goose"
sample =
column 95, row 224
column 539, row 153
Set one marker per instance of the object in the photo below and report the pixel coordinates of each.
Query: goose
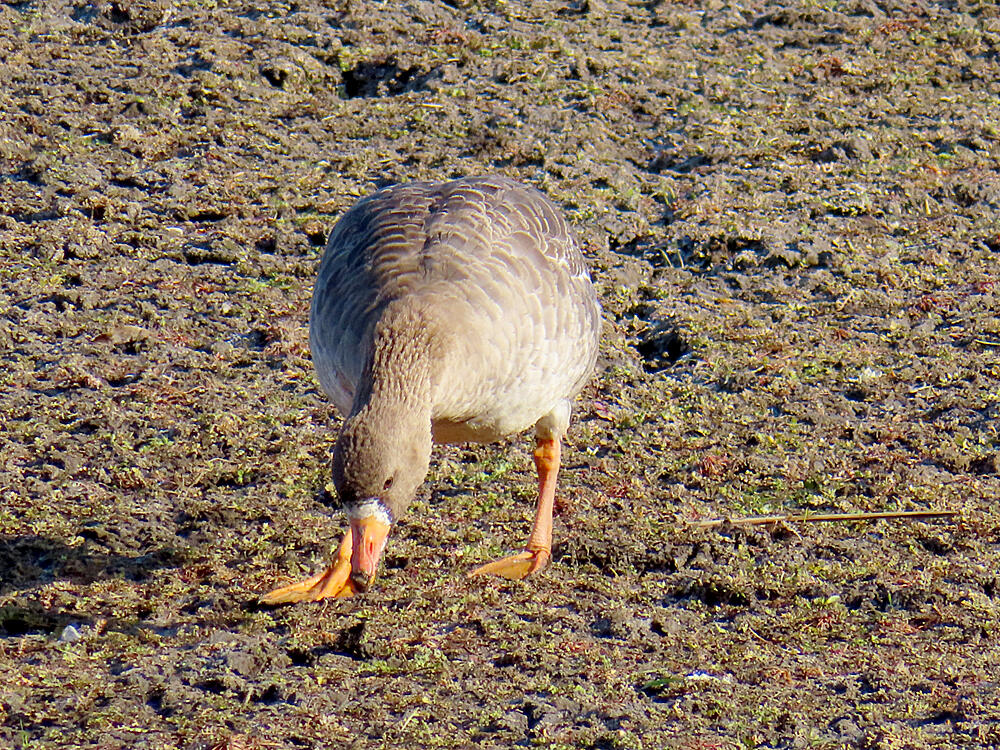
column 444, row 312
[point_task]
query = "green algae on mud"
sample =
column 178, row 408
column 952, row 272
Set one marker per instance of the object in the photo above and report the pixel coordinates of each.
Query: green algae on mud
column 792, row 214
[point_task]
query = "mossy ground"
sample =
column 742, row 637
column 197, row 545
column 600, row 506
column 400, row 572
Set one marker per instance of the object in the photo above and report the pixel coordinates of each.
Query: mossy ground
column 792, row 212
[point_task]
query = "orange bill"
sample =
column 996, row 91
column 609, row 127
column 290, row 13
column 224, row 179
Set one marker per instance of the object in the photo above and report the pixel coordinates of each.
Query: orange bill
column 370, row 534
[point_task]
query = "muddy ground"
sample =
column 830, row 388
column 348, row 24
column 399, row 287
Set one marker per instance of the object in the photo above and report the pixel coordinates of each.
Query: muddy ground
column 792, row 212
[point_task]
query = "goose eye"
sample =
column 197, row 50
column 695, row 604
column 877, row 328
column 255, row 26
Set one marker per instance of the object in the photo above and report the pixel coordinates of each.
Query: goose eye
column 388, row 484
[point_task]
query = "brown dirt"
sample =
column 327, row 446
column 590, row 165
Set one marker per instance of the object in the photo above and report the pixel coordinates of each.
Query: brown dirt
column 793, row 215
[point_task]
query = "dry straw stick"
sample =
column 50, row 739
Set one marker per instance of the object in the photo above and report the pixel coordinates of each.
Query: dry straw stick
column 809, row 518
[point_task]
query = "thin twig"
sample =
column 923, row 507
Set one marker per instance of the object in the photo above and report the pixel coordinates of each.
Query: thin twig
column 806, row 518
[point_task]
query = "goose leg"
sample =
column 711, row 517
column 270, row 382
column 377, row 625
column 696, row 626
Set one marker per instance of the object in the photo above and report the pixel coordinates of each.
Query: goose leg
column 539, row 548
column 334, row 581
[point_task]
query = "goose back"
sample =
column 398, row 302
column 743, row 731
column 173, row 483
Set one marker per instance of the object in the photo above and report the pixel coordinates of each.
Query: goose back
column 489, row 269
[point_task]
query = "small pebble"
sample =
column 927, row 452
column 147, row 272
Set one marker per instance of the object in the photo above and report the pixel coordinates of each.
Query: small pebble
column 70, row 635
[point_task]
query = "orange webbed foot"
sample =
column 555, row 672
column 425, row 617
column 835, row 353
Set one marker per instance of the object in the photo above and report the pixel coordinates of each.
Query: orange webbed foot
column 335, row 581
column 515, row 567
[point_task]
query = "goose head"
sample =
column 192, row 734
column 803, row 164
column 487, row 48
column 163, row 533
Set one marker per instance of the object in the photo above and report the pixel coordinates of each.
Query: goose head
column 379, row 462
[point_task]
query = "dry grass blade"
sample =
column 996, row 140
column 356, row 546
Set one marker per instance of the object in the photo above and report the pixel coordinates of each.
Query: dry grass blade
column 804, row 518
